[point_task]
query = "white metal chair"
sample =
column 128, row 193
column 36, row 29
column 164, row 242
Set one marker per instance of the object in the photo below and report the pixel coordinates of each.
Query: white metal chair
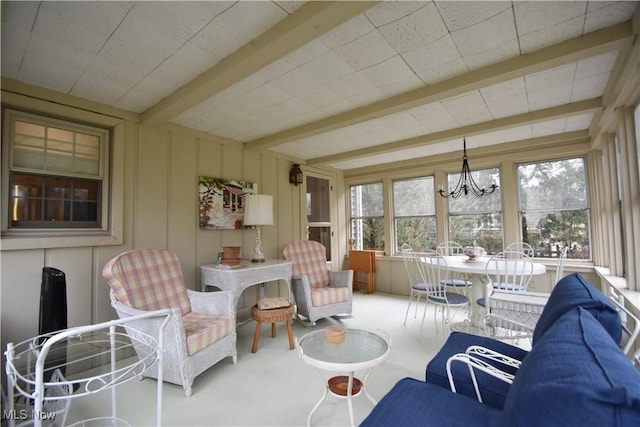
column 417, row 284
column 436, row 273
column 523, row 247
column 457, row 281
column 630, row 326
column 318, row 291
column 561, row 261
column 507, row 271
column 202, row 328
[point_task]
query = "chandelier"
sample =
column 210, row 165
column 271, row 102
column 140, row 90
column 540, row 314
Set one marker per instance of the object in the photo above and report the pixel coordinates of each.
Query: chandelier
column 466, row 184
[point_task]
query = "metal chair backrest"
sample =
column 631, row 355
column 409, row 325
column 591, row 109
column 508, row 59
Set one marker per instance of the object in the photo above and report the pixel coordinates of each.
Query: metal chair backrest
column 449, row 248
column 523, row 247
column 630, row 322
column 561, row 260
column 411, row 260
column 435, row 271
column 509, row 270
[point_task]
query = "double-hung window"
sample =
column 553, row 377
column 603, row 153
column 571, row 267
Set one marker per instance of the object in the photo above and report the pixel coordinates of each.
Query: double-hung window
column 415, row 213
column 367, row 216
column 554, row 207
column 56, row 173
column 477, row 219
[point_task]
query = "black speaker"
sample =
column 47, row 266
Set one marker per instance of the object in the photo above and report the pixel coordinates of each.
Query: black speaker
column 53, row 316
column 53, row 301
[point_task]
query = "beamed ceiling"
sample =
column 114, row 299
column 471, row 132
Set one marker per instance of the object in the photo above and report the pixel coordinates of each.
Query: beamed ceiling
column 343, row 84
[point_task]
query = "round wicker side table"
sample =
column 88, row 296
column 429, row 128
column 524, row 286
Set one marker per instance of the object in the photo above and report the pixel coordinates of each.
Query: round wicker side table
column 272, row 315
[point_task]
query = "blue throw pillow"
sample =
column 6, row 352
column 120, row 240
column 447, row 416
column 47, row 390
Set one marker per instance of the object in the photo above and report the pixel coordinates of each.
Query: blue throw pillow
column 574, row 291
column 575, row 376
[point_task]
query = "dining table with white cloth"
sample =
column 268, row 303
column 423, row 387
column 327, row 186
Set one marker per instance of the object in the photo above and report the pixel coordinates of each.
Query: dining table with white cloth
column 476, row 270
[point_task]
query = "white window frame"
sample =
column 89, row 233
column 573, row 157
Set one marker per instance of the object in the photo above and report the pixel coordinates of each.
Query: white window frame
column 110, row 231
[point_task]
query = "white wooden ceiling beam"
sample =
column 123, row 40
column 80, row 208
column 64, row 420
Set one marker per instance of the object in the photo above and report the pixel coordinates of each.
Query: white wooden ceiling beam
column 301, row 27
column 597, row 42
column 566, row 110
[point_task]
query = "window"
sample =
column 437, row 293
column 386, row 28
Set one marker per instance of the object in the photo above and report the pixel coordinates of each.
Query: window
column 367, row 216
column 415, row 213
column 477, row 219
column 56, row 173
column 554, row 210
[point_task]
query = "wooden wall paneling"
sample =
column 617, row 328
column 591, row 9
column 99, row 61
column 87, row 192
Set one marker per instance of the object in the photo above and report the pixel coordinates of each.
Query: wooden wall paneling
column 183, row 205
column 208, row 242
column 150, row 221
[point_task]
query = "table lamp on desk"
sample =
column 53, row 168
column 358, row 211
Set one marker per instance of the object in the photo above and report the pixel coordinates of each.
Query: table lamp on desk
column 258, row 210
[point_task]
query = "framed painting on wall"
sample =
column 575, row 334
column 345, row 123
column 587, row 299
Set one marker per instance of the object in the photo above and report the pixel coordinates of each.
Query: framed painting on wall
column 221, row 202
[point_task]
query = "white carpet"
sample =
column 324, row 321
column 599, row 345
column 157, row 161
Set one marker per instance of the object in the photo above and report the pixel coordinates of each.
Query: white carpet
column 274, row 387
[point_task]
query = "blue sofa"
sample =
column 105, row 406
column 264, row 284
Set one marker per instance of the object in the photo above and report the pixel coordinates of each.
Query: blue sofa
column 574, row 375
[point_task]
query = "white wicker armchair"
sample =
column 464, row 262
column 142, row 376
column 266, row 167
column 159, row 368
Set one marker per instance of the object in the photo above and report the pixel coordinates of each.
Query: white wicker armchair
column 318, row 291
column 201, row 331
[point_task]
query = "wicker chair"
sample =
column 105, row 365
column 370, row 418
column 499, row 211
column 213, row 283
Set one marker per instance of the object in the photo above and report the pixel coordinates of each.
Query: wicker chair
column 318, row 291
column 201, row 331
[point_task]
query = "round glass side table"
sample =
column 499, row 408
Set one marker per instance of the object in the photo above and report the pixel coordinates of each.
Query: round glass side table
column 360, row 351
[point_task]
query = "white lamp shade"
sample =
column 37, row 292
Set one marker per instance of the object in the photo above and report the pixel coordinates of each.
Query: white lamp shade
column 258, row 209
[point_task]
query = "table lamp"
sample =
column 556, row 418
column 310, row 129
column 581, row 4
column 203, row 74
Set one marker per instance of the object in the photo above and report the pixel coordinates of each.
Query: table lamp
column 258, row 210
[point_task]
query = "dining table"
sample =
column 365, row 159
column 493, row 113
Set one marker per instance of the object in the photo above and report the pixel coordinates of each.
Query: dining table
column 476, row 270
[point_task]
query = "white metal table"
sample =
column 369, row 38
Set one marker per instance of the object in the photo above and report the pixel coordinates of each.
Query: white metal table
column 476, row 271
column 248, row 274
column 360, row 351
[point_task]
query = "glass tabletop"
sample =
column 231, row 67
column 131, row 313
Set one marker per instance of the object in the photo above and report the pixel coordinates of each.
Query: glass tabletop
column 359, row 346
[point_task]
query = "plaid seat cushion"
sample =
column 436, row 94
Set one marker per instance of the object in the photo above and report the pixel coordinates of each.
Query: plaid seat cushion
column 148, row 279
column 308, row 257
column 202, row 330
column 329, row 295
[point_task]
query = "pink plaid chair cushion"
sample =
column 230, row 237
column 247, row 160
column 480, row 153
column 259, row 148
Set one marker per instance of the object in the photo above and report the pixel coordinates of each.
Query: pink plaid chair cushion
column 329, row 295
column 148, row 279
column 308, row 258
column 202, row 330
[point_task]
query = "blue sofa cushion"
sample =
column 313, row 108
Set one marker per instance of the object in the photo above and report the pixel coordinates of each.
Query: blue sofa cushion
column 576, row 375
column 492, row 390
column 416, row 403
column 574, row 291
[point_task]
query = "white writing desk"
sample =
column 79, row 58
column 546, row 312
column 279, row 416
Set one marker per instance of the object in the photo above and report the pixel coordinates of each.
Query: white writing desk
column 248, row 274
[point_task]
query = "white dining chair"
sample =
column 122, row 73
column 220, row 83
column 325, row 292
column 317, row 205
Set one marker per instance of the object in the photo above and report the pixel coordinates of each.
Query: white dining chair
column 458, row 282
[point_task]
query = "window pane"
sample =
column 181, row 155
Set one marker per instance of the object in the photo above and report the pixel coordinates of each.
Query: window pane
column 559, row 185
column 484, row 229
column 554, row 208
column 318, row 200
column 413, row 197
column 419, row 232
column 46, row 201
column 470, row 203
column 366, row 200
column 368, row 233
column 367, row 216
column 550, row 231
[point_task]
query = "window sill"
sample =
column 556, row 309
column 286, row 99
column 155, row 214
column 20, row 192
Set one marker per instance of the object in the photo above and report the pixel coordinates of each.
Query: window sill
column 619, row 283
column 40, row 241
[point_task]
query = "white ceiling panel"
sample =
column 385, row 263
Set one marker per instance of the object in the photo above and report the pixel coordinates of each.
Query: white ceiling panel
column 364, row 76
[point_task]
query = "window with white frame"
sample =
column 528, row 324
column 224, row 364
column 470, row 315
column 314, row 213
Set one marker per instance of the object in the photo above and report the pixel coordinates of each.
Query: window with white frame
column 477, row 219
column 414, row 213
column 367, row 216
column 56, row 173
column 554, row 207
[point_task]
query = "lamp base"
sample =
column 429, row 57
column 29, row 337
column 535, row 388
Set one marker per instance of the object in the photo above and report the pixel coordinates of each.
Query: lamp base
column 258, row 256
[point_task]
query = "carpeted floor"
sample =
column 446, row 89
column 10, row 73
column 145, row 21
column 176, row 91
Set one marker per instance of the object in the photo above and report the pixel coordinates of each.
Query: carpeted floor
column 274, row 387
